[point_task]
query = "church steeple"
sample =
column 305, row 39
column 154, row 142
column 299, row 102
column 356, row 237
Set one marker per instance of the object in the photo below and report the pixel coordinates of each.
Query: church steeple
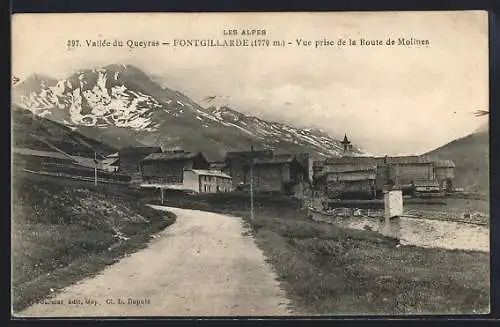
column 346, row 144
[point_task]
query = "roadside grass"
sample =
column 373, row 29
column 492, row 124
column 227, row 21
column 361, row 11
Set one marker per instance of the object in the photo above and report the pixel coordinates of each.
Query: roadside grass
column 329, row 270
column 63, row 231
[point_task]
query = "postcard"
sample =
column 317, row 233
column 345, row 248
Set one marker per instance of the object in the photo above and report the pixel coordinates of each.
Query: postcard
column 250, row 164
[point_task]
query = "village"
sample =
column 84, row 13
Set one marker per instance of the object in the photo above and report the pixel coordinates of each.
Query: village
column 293, row 174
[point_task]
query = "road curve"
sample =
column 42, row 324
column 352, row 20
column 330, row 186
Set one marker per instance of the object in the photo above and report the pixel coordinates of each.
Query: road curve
column 202, row 265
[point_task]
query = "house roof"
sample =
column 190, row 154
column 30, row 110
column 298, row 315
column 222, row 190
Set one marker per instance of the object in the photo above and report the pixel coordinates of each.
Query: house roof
column 38, row 153
column 86, row 161
column 379, row 160
column 426, row 183
column 109, row 161
column 204, row 172
column 408, row 160
column 276, row 159
column 440, row 163
column 351, row 169
column 103, row 164
column 113, row 155
column 170, row 156
column 246, row 154
column 78, row 160
column 175, row 187
column 139, row 150
column 357, row 177
column 352, row 175
column 217, row 164
column 349, row 160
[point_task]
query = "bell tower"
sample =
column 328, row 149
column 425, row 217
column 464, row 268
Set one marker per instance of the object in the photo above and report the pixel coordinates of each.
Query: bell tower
column 346, row 144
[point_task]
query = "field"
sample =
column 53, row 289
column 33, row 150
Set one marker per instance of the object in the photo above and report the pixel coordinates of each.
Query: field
column 64, row 230
column 475, row 210
column 326, row 269
column 455, row 209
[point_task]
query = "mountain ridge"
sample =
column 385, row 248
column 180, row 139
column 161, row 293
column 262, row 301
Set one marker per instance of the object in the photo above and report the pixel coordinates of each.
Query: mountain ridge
column 471, row 156
column 121, row 105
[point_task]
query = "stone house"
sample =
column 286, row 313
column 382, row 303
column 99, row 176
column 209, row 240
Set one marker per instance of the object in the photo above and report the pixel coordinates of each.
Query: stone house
column 206, row 181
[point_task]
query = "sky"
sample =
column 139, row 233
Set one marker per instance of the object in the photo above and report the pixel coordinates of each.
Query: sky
column 391, row 100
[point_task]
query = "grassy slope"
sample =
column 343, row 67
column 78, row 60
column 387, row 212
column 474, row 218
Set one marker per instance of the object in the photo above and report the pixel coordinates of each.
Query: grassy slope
column 63, row 231
column 24, row 123
column 471, row 157
column 330, row 270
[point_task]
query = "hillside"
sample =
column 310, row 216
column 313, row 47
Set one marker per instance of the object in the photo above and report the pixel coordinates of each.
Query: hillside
column 63, row 231
column 471, row 157
column 31, row 131
column 120, row 105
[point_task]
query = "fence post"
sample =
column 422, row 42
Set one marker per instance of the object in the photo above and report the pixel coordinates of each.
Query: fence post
column 393, row 210
column 95, row 168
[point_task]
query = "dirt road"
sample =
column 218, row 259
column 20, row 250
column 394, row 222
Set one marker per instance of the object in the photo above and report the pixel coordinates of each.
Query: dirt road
column 202, row 265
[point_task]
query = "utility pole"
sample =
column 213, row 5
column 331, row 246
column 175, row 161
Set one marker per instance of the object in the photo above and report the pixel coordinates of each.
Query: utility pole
column 251, row 183
column 95, row 168
column 303, row 194
column 313, row 193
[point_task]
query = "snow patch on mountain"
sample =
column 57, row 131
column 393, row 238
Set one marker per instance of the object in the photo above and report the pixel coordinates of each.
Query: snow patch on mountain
column 110, row 97
column 94, row 105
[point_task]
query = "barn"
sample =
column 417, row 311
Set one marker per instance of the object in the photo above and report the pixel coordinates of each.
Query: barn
column 130, row 158
column 169, row 167
column 355, row 180
column 279, row 173
column 272, row 172
column 445, row 173
column 401, row 172
column 237, row 164
column 38, row 160
column 58, row 163
column 405, row 170
column 350, row 174
column 319, row 177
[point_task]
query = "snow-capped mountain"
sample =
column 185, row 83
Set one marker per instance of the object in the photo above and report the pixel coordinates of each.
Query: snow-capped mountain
column 121, row 105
